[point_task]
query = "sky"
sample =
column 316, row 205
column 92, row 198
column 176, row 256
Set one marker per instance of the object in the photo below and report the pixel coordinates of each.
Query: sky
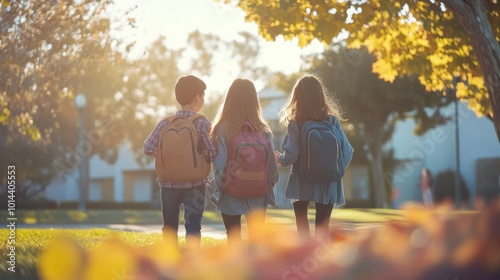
column 175, row 19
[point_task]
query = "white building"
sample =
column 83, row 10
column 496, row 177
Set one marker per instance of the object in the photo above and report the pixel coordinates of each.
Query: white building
column 436, row 151
column 123, row 181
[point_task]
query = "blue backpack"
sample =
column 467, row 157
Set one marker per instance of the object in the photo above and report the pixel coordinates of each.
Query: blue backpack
column 319, row 146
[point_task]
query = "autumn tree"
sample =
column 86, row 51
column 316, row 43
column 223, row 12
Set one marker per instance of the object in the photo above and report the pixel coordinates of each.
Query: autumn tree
column 436, row 40
column 49, row 52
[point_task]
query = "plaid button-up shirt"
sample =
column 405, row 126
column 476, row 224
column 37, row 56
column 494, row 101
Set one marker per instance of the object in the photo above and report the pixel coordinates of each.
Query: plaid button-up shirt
column 203, row 126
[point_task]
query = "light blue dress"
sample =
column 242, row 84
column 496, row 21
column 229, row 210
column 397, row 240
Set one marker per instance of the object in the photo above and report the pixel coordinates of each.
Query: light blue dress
column 327, row 193
column 231, row 205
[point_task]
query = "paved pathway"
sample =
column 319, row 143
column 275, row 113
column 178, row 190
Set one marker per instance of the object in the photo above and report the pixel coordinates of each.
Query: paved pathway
column 216, row 231
column 213, row 231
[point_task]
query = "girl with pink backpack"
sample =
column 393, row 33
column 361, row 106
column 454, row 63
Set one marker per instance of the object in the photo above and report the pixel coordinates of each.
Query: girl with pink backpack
column 245, row 169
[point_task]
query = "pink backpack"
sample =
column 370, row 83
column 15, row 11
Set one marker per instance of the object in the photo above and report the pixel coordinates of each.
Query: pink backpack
column 247, row 164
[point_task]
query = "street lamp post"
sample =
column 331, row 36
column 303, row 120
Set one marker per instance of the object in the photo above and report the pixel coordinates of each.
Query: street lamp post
column 80, row 102
column 458, row 195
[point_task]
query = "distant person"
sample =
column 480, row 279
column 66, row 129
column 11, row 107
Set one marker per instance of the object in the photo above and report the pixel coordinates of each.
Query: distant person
column 184, row 151
column 245, row 169
column 313, row 141
column 426, row 186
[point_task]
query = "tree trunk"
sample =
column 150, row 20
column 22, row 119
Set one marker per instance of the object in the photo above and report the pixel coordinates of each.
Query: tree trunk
column 471, row 14
column 376, row 163
column 378, row 177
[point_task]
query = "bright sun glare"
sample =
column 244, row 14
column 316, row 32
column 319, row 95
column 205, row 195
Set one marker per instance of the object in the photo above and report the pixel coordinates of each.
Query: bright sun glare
column 176, row 19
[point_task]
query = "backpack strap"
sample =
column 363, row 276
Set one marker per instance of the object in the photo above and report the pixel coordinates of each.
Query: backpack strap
column 170, row 119
column 331, row 119
column 191, row 118
column 249, row 125
column 194, row 117
column 300, row 124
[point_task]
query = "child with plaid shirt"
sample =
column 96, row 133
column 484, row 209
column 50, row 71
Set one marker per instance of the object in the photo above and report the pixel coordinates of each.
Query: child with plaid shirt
column 189, row 93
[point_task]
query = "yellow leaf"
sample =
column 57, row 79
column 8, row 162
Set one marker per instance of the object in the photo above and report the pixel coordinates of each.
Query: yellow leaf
column 4, row 116
column 466, row 252
column 384, row 70
column 303, row 39
column 62, row 260
column 166, row 253
column 111, row 260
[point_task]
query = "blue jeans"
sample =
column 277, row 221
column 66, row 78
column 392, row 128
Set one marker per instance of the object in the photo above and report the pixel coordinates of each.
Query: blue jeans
column 194, row 204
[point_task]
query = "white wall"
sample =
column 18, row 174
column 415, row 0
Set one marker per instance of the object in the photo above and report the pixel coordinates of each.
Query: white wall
column 436, row 151
column 67, row 188
column 478, row 142
column 95, row 191
column 125, row 162
column 62, row 189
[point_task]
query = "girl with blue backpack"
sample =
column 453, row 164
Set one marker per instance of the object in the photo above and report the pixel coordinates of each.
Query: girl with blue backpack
column 318, row 151
column 245, row 168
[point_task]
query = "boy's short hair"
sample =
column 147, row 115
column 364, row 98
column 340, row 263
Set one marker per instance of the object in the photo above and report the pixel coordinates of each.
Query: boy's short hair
column 187, row 87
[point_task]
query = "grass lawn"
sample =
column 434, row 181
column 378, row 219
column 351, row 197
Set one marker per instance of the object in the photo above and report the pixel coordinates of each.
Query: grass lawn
column 281, row 216
column 30, row 243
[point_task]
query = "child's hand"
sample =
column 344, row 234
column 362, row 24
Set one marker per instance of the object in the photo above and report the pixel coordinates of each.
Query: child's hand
column 276, row 155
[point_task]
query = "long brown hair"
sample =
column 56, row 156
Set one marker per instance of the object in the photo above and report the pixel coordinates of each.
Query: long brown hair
column 240, row 105
column 309, row 101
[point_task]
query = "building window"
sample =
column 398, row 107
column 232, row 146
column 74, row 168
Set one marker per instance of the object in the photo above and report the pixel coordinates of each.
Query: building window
column 138, row 186
column 102, row 189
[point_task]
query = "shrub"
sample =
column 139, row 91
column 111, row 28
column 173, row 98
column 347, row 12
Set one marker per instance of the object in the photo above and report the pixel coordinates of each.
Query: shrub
column 444, row 188
column 29, row 204
column 110, row 205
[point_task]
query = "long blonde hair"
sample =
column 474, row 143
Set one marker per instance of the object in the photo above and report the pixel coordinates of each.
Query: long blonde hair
column 309, row 101
column 240, row 105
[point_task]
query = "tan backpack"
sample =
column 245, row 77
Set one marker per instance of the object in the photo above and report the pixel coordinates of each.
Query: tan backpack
column 179, row 155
